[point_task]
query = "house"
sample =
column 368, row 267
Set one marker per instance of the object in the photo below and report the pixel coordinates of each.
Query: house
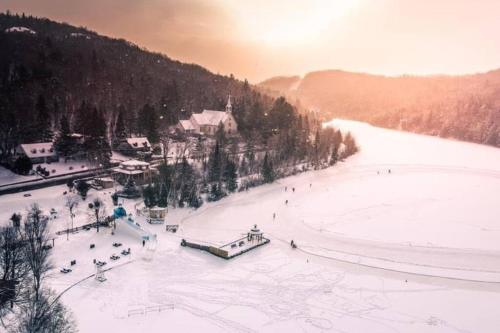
column 207, row 122
column 38, row 152
column 135, row 147
column 138, row 171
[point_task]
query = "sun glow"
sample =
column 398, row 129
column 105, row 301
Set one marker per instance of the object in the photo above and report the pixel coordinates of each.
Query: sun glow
column 288, row 22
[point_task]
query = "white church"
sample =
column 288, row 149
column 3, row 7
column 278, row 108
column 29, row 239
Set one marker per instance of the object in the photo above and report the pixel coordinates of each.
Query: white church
column 208, row 121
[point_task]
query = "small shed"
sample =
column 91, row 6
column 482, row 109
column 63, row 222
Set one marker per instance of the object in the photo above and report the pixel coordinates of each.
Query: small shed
column 156, row 215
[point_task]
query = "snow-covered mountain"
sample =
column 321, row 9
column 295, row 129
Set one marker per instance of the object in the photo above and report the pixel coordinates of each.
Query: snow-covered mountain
column 463, row 107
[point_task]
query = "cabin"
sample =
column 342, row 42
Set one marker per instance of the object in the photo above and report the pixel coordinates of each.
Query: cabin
column 38, row 152
column 136, row 147
column 208, row 121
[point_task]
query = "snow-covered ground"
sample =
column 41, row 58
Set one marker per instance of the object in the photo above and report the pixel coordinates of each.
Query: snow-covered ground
column 413, row 250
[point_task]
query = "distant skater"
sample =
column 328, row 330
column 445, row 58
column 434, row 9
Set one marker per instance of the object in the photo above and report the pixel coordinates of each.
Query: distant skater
column 274, row 216
column 293, row 189
column 310, row 185
column 286, row 202
column 389, row 170
column 286, row 188
column 143, row 243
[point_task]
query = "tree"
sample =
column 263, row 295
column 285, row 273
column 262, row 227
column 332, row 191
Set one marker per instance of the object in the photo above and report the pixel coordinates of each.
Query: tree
column 35, row 234
column 43, row 122
column 148, row 123
column 65, row 144
column 71, row 202
column 220, row 135
column 350, row 147
column 98, row 209
column 96, row 145
column 216, row 193
column 70, row 184
column 16, row 220
column 335, row 155
column 23, row 165
column 163, row 196
column 195, row 201
column 150, row 198
column 13, row 270
column 230, row 176
column 215, row 164
column 40, row 310
column 267, row 170
column 82, row 187
column 120, row 132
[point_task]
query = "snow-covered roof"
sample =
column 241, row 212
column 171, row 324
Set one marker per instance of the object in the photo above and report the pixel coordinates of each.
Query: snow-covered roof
column 20, row 29
column 32, row 150
column 210, row 117
column 128, row 172
column 187, row 125
column 138, row 142
column 134, row 163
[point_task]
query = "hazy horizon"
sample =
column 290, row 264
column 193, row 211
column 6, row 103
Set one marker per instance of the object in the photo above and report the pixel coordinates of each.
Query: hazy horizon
column 249, row 40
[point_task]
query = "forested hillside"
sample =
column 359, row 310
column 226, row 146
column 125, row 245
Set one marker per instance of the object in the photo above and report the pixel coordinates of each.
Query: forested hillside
column 49, row 69
column 461, row 107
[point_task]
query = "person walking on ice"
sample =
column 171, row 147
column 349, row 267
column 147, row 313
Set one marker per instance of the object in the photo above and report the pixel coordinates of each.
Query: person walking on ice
column 286, row 202
column 274, row 216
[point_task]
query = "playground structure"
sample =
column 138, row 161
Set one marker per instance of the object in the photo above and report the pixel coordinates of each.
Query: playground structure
column 123, row 219
column 99, row 272
column 254, row 239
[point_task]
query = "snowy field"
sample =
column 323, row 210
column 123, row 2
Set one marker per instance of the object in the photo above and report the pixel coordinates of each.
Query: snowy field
column 413, row 250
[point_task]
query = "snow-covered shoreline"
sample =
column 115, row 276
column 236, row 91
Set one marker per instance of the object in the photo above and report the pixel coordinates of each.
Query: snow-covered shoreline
column 433, row 214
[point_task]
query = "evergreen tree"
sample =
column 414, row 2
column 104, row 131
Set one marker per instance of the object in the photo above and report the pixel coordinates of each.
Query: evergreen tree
column 230, row 176
column 149, row 194
column 350, row 147
column 195, row 200
column 120, row 133
column 43, row 122
column 335, row 155
column 267, row 170
column 65, row 144
column 220, row 135
column 163, row 196
column 96, row 145
column 82, row 187
column 23, row 165
column 148, row 123
column 215, row 164
column 216, row 192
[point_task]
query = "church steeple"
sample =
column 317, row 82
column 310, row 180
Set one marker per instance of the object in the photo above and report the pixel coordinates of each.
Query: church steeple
column 229, row 106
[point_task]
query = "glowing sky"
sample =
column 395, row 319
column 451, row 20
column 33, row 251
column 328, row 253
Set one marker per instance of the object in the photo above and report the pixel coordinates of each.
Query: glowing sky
column 258, row 39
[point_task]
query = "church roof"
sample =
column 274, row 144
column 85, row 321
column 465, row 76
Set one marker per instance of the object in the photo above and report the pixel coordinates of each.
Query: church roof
column 210, row 117
column 186, row 125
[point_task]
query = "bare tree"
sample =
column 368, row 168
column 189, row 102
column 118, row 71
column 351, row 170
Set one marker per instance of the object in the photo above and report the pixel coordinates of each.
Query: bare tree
column 40, row 311
column 35, row 236
column 71, row 203
column 13, row 270
column 44, row 313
